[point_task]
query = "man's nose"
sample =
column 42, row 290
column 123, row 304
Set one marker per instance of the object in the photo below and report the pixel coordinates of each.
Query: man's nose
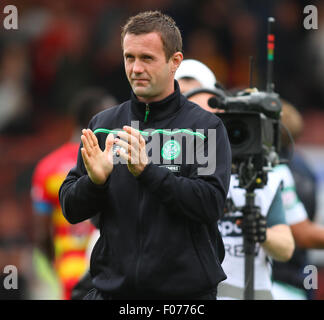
column 138, row 67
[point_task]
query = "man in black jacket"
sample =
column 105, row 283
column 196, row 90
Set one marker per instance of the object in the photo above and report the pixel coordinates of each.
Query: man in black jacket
column 153, row 179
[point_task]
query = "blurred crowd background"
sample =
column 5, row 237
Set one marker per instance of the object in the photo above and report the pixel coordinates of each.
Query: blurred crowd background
column 63, row 47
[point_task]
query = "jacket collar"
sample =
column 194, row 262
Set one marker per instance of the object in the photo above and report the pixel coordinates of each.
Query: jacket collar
column 157, row 110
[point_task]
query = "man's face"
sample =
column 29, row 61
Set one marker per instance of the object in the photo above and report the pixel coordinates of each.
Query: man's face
column 187, row 85
column 149, row 74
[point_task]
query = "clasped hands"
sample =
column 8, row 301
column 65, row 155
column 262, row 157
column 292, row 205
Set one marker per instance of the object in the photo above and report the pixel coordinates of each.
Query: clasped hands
column 99, row 164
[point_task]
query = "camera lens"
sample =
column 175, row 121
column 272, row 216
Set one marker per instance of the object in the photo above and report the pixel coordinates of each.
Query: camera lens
column 238, row 132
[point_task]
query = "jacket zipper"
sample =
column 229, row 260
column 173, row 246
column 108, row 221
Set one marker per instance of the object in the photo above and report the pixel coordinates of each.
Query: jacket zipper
column 147, row 111
column 140, row 235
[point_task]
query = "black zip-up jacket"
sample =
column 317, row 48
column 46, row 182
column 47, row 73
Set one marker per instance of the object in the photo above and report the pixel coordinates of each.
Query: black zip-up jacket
column 158, row 232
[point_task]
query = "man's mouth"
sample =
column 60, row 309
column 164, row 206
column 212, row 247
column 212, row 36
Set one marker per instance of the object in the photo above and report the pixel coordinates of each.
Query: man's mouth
column 140, row 80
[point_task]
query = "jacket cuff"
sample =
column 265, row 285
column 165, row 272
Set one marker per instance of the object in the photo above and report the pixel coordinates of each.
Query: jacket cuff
column 95, row 188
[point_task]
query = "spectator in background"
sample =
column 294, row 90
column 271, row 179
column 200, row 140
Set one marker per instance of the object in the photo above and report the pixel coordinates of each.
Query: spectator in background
column 73, row 73
column 61, row 64
column 300, row 206
column 64, row 244
column 14, row 95
column 48, row 49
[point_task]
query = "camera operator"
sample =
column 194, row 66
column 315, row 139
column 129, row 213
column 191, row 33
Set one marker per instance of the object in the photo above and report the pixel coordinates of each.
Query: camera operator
column 269, row 229
column 203, row 77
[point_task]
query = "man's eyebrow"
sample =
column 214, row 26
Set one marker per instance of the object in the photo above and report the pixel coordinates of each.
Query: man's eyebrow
column 143, row 54
column 146, row 55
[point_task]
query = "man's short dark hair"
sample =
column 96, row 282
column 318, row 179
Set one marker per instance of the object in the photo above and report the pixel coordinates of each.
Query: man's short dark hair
column 155, row 21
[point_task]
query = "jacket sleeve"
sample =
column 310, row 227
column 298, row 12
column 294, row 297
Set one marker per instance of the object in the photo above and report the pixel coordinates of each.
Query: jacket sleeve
column 200, row 197
column 79, row 197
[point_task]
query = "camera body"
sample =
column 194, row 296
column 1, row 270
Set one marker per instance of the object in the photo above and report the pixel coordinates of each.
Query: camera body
column 252, row 120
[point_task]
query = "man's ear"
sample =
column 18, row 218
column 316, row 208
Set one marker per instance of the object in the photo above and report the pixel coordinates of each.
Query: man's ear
column 176, row 60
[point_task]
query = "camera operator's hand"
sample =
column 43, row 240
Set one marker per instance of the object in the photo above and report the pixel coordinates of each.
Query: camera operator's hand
column 254, row 226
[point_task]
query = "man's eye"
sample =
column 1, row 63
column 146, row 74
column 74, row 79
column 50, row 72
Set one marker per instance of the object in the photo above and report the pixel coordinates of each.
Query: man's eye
column 147, row 58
